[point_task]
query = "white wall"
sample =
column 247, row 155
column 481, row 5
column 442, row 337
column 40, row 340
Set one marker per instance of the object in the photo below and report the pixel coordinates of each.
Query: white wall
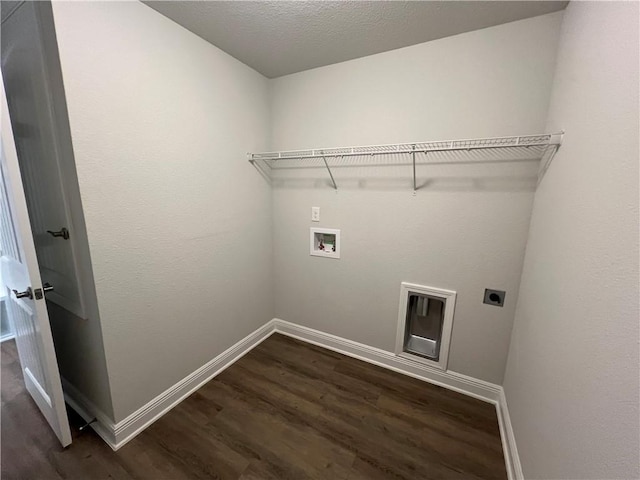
column 572, row 375
column 465, row 230
column 178, row 222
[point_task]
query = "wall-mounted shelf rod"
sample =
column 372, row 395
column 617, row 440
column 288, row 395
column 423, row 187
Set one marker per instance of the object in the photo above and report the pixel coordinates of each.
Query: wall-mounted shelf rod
column 536, row 147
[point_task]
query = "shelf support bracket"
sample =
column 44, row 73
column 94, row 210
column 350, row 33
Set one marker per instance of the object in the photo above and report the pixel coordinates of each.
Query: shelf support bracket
column 413, row 158
column 547, row 157
column 330, row 174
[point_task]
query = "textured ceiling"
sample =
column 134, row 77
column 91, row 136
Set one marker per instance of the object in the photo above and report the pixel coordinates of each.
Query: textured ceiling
column 281, row 37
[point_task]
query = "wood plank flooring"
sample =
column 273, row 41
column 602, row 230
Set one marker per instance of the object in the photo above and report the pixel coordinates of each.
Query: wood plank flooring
column 286, row 410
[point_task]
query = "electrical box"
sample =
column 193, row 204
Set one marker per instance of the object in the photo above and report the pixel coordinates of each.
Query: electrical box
column 494, row 297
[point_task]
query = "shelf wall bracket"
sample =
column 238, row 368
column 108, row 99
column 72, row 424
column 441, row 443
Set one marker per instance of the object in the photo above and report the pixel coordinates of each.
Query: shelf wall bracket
column 330, row 174
column 555, row 141
column 413, row 159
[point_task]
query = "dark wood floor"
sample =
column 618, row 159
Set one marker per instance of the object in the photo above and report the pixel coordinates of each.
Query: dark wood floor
column 287, row 410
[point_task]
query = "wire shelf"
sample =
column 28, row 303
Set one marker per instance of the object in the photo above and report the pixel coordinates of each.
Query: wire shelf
column 530, row 147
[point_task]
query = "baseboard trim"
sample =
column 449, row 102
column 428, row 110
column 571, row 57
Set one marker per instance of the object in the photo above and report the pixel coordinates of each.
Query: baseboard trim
column 472, row 387
column 131, row 426
column 117, row 435
column 458, row 382
column 511, row 458
column 103, row 425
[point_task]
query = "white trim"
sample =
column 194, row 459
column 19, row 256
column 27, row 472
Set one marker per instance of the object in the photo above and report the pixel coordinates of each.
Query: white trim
column 122, row 432
column 472, row 387
column 135, row 423
column 323, row 253
column 30, row 378
column 449, row 299
column 511, row 457
column 8, row 336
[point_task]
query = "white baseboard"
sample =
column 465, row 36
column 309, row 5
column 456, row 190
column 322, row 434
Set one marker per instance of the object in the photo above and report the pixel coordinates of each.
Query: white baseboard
column 511, row 458
column 479, row 389
column 131, row 426
column 103, row 425
column 458, row 382
column 119, row 434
